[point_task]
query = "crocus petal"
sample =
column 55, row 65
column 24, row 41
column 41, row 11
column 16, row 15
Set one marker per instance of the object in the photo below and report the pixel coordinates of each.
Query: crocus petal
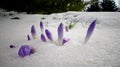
column 28, row 37
column 90, row 31
column 25, row 50
column 41, row 26
column 66, row 28
column 60, row 33
column 12, row 46
column 65, row 41
column 49, row 35
column 43, row 38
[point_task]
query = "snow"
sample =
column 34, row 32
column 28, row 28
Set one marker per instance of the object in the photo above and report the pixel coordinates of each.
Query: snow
column 102, row 50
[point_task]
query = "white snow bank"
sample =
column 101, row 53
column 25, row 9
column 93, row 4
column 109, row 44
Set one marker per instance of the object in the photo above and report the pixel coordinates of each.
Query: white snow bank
column 102, row 50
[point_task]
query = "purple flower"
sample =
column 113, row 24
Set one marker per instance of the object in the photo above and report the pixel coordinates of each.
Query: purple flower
column 28, row 37
column 90, row 31
column 12, row 46
column 41, row 26
column 49, row 35
column 66, row 28
column 25, row 50
column 60, row 33
column 43, row 38
column 33, row 32
column 65, row 41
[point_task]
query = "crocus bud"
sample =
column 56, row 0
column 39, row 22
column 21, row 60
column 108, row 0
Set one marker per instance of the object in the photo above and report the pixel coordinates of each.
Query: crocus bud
column 60, row 33
column 41, row 26
column 90, row 31
column 49, row 35
column 28, row 37
column 25, row 50
column 33, row 32
column 43, row 38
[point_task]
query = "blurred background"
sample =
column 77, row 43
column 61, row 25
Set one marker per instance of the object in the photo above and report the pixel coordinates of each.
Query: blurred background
column 56, row 6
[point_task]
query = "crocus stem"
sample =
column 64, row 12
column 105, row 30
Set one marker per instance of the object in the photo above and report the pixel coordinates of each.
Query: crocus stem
column 70, row 25
column 33, row 36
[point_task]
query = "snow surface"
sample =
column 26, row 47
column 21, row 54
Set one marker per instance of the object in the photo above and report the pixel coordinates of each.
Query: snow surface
column 102, row 50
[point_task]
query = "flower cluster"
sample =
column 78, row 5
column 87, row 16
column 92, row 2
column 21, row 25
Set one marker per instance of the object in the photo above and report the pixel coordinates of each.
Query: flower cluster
column 26, row 50
column 60, row 31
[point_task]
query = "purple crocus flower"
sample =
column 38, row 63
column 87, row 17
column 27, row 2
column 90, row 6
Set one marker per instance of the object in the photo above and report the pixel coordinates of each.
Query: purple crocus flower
column 90, row 31
column 12, row 46
column 33, row 32
column 28, row 37
column 25, row 50
column 65, row 41
column 41, row 26
column 66, row 28
column 60, row 33
column 43, row 38
column 49, row 35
